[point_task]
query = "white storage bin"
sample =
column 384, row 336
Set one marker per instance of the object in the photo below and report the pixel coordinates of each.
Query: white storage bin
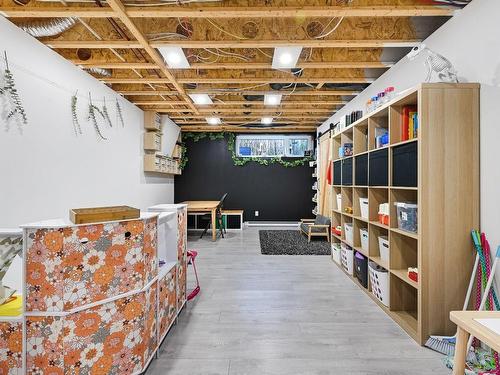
column 363, row 234
column 336, row 252
column 407, row 216
column 339, row 202
column 363, row 205
column 346, row 255
column 379, row 280
column 348, row 232
column 383, row 247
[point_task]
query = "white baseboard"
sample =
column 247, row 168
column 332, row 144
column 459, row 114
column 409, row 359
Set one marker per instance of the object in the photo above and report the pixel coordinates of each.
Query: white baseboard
column 271, row 224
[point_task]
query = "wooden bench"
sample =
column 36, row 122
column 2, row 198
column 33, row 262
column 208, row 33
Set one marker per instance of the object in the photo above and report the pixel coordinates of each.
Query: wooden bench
column 234, row 213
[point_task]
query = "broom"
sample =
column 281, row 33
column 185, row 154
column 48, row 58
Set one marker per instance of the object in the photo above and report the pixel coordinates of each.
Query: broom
column 446, row 344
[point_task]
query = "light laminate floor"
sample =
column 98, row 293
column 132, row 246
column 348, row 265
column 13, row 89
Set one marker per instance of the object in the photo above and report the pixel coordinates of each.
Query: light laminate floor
column 282, row 315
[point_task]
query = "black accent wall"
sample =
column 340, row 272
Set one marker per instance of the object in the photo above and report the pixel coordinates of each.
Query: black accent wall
column 278, row 193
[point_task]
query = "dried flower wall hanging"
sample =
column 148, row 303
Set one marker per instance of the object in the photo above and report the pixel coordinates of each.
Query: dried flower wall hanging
column 119, row 113
column 10, row 91
column 106, row 114
column 92, row 117
column 74, row 115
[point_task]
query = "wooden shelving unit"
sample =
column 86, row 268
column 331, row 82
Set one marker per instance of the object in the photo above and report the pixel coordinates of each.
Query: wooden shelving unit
column 154, row 160
column 446, row 191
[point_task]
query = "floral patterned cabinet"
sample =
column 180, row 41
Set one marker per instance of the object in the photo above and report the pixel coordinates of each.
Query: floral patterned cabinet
column 91, row 297
column 181, row 250
column 96, row 299
column 11, row 346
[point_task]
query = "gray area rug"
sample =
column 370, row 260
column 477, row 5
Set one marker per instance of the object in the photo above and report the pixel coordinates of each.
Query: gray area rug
column 291, row 242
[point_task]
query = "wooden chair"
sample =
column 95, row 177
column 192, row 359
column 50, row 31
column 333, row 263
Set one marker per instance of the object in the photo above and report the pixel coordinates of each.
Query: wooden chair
column 319, row 227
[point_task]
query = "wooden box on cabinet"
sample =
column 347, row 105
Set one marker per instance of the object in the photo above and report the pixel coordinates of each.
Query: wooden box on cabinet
column 440, row 162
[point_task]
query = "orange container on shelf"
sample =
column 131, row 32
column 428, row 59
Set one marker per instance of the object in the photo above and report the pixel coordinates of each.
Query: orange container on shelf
column 383, row 213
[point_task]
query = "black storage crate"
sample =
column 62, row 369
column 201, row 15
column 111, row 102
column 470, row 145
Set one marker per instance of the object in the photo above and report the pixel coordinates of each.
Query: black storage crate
column 378, row 168
column 361, row 170
column 347, row 171
column 337, row 172
column 361, row 269
column 404, row 165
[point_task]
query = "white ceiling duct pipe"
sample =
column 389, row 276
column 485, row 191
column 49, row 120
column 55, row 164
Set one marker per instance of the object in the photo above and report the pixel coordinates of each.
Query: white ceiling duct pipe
column 51, row 27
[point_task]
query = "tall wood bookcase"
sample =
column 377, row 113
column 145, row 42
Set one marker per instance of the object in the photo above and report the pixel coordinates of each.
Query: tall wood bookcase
column 446, row 191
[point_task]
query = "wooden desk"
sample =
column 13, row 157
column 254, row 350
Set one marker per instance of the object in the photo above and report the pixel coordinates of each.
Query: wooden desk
column 467, row 326
column 205, row 206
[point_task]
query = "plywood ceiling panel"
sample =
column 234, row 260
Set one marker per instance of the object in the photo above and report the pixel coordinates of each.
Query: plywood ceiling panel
column 229, row 45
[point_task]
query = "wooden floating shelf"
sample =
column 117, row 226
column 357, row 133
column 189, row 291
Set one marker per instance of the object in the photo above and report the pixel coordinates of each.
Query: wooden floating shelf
column 447, row 139
column 154, row 160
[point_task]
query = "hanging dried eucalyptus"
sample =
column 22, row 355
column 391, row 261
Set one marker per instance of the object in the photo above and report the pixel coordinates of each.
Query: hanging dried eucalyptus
column 92, row 117
column 119, row 113
column 10, row 89
column 76, row 122
column 106, row 114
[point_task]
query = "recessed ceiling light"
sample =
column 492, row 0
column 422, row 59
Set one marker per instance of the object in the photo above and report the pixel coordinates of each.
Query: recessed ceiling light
column 266, row 120
column 201, row 99
column 174, row 57
column 286, row 57
column 213, row 120
column 272, row 99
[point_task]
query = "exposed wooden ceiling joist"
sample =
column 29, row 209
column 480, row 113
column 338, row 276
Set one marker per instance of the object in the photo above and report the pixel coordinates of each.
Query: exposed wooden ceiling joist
column 292, row 117
column 230, row 12
column 120, row 13
column 244, row 66
column 249, row 80
column 243, row 92
column 242, row 129
column 237, row 44
column 267, row 110
column 242, row 102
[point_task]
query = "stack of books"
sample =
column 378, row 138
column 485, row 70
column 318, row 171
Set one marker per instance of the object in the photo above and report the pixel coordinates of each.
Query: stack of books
column 409, row 123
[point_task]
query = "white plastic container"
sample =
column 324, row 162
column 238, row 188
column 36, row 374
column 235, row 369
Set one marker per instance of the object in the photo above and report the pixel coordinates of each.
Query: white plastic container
column 348, row 231
column 336, row 249
column 346, row 259
column 363, row 205
column 407, row 216
column 339, row 202
column 363, row 234
column 379, row 281
column 383, row 247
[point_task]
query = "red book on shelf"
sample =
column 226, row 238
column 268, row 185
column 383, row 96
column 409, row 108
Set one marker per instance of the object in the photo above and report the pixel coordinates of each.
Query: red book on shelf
column 405, row 121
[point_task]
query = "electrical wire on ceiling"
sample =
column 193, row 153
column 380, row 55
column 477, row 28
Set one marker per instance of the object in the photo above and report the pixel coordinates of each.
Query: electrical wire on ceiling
column 323, row 34
column 165, row 35
column 51, row 27
column 170, row 2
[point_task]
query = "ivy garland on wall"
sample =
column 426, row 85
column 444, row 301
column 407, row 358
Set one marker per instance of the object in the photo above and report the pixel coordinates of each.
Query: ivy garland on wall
column 231, row 146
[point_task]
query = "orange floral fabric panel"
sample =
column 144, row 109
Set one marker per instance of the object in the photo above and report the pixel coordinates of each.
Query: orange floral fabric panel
column 150, row 333
column 44, row 270
column 106, row 339
column 11, row 348
column 181, row 256
column 167, row 301
column 150, row 246
column 44, row 345
column 71, row 267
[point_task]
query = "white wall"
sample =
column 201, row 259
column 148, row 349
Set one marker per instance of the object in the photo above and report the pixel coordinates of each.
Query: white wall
column 471, row 41
column 47, row 170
